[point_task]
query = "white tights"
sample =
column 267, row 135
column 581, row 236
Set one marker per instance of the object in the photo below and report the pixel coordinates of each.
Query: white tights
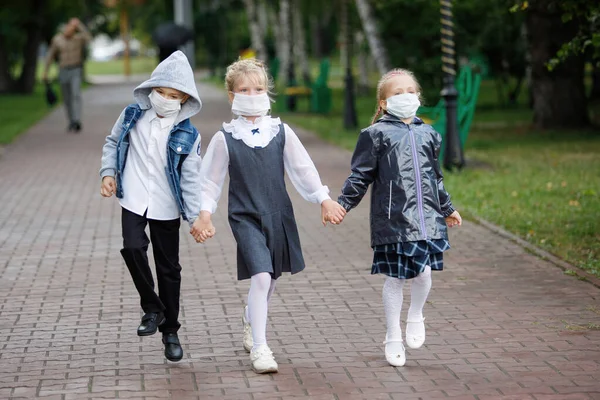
column 261, row 290
column 393, row 297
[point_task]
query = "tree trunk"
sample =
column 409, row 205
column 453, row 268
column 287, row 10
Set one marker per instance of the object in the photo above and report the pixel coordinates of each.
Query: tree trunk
column 362, row 56
column 595, row 93
column 300, row 43
column 6, row 80
column 263, row 19
column 256, row 33
column 558, row 96
column 274, row 23
column 369, row 23
column 350, row 117
column 285, row 41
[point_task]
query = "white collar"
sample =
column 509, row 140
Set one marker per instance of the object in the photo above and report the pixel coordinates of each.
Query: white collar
column 242, row 127
column 164, row 121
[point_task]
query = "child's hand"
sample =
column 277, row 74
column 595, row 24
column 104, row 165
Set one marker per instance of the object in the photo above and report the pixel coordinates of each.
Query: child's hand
column 108, row 186
column 332, row 211
column 203, row 228
column 454, row 219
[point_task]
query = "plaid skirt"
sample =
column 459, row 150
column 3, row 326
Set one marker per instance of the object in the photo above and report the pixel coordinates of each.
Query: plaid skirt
column 406, row 260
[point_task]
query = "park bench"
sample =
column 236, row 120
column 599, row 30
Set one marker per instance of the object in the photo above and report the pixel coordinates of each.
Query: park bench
column 467, row 85
column 318, row 93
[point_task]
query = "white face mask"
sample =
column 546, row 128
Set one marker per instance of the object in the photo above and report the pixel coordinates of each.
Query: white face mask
column 403, row 105
column 164, row 107
column 251, row 106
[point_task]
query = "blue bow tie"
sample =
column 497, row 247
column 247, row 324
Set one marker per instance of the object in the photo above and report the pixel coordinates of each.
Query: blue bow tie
column 254, row 131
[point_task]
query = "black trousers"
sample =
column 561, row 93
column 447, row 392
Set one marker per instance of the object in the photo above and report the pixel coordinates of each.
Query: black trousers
column 165, row 245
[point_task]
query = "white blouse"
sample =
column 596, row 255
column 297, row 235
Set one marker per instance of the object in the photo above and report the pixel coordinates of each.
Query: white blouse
column 298, row 165
column 148, row 189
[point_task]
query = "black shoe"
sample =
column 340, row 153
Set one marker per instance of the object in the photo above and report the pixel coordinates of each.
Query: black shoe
column 150, row 323
column 77, row 127
column 71, row 127
column 173, row 350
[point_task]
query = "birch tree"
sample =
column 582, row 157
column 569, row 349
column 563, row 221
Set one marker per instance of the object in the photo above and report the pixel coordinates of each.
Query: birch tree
column 285, row 40
column 256, row 33
column 300, row 42
column 369, row 23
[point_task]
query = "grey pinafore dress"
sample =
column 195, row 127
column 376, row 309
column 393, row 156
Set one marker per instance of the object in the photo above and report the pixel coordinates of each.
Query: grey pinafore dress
column 260, row 211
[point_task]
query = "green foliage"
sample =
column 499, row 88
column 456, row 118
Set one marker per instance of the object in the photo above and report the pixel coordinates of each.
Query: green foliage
column 410, row 30
column 19, row 112
column 587, row 13
column 587, row 40
column 221, row 32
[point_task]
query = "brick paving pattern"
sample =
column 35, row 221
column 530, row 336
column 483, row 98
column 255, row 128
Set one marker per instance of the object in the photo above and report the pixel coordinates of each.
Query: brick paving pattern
column 501, row 323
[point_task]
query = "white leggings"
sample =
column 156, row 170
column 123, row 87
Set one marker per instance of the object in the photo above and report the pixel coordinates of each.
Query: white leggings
column 393, row 298
column 261, row 290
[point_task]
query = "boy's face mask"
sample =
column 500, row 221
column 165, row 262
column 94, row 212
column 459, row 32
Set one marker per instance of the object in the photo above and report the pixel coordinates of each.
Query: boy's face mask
column 164, row 107
column 403, row 105
column 250, row 105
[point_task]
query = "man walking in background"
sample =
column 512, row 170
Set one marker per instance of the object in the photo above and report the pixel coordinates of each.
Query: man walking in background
column 68, row 47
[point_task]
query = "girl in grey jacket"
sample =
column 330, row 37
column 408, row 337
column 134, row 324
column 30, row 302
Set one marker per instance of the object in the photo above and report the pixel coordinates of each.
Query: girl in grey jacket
column 410, row 208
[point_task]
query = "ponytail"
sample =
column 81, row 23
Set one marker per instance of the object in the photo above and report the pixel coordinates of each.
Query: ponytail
column 377, row 112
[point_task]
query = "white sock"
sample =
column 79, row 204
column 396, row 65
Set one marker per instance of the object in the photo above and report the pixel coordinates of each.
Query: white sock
column 392, row 305
column 258, row 298
column 271, row 290
column 419, row 290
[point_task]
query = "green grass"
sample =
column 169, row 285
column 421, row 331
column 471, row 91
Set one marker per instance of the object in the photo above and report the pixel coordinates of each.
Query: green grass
column 542, row 186
column 139, row 65
column 19, row 112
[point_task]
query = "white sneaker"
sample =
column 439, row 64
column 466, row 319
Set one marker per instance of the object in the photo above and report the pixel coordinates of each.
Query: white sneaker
column 262, row 360
column 415, row 333
column 394, row 352
column 247, row 340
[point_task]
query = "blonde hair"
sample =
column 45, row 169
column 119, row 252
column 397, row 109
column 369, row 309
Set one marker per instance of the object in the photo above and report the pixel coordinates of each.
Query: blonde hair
column 244, row 67
column 381, row 85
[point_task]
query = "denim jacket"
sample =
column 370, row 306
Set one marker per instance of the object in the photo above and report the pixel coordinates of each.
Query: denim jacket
column 184, row 179
column 408, row 199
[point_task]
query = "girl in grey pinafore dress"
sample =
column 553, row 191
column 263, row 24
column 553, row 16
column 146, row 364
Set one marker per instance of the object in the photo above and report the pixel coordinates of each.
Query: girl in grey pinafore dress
column 260, row 211
column 257, row 150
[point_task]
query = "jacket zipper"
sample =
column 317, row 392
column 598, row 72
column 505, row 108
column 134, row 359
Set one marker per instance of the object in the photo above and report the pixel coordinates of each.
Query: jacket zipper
column 390, row 203
column 418, row 182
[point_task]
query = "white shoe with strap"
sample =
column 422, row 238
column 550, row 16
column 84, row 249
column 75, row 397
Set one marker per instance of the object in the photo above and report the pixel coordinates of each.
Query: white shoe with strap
column 262, row 360
column 394, row 352
column 247, row 340
column 415, row 333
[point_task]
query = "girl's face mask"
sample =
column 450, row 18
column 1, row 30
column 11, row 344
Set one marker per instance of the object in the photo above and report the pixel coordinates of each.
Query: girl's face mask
column 403, row 105
column 250, row 105
column 164, row 107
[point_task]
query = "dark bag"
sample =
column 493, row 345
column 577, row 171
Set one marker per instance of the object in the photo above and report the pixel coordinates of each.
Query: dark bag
column 51, row 97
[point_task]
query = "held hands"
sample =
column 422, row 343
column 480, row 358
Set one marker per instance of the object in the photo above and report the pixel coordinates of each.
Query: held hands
column 332, row 211
column 454, row 219
column 108, row 186
column 203, row 228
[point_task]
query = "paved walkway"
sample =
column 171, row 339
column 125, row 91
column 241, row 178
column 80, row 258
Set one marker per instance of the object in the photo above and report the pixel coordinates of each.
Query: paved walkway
column 502, row 324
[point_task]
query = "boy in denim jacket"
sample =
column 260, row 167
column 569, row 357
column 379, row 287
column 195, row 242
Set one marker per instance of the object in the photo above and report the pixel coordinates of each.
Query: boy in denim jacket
column 151, row 161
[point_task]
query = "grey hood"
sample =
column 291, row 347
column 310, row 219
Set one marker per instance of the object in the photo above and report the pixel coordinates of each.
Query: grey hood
column 174, row 72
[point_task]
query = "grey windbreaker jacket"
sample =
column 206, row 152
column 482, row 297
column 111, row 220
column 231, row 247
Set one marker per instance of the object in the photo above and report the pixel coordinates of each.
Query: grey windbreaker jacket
column 408, row 198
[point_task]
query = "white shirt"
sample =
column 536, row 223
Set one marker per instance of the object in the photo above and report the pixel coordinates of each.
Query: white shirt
column 298, row 164
column 145, row 179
